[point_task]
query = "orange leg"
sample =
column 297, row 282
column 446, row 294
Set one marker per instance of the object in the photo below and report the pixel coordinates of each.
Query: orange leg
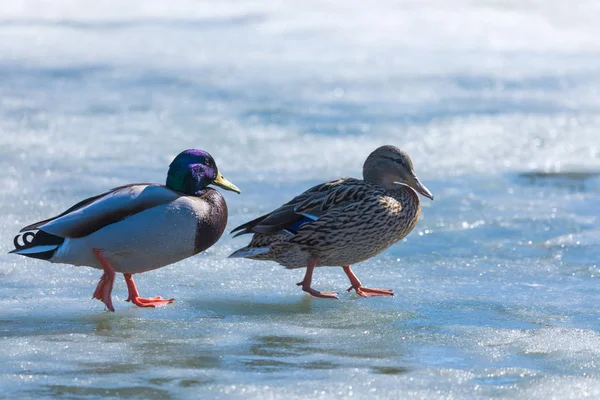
column 134, row 295
column 105, row 286
column 100, row 288
column 360, row 289
column 308, row 279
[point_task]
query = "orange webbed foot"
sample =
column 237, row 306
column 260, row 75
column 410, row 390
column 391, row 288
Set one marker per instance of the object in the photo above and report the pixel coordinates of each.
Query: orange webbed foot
column 371, row 292
column 360, row 289
column 135, row 298
column 152, row 302
column 104, row 289
column 316, row 293
column 312, row 263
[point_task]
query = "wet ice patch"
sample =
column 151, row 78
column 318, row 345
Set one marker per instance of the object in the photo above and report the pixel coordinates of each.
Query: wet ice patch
column 589, row 238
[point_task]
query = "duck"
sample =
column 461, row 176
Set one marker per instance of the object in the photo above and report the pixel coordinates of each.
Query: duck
column 341, row 222
column 136, row 228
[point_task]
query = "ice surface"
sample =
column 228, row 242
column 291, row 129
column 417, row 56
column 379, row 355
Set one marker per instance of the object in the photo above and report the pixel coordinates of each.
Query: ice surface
column 497, row 102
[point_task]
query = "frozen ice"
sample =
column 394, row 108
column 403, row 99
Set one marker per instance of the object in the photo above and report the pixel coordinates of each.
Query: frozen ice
column 497, row 102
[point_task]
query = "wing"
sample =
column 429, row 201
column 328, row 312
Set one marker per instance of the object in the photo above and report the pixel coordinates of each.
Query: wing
column 335, row 198
column 99, row 211
column 307, row 207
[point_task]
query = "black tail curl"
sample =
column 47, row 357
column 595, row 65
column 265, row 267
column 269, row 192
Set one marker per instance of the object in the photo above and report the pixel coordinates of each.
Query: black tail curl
column 30, row 240
column 27, row 238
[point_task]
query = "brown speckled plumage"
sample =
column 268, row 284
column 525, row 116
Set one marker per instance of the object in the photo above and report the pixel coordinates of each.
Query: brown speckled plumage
column 348, row 220
column 358, row 221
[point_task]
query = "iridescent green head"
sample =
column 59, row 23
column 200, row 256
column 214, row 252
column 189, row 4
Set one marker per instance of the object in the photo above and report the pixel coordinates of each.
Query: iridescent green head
column 193, row 170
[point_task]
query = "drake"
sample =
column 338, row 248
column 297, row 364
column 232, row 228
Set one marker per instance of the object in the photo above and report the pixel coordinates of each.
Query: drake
column 136, row 228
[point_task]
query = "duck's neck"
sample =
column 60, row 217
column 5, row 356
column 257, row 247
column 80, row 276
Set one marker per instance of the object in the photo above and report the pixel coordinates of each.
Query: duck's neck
column 184, row 182
column 176, row 180
column 405, row 194
column 379, row 178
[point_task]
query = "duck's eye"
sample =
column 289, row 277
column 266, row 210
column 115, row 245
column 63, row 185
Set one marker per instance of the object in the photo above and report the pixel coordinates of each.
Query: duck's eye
column 399, row 161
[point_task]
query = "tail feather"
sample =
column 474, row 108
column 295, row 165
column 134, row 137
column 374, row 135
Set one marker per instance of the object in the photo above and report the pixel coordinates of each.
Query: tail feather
column 247, row 227
column 246, row 252
column 41, row 245
column 242, row 232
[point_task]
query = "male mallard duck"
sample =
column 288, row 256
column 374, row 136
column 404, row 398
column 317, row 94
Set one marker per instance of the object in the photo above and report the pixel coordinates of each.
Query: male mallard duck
column 341, row 222
column 136, row 228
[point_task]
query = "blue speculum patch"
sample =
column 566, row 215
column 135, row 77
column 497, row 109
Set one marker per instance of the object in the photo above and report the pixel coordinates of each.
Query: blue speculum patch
column 293, row 229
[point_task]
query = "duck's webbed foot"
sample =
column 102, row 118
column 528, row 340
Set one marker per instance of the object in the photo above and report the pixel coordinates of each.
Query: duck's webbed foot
column 316, row 293
column 308, row 279
column 364, row 291
column 104, row 289
column 134, row 295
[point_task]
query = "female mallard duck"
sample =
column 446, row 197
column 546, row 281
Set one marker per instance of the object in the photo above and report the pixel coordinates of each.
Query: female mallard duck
column 341, row 222
column 136, row 228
